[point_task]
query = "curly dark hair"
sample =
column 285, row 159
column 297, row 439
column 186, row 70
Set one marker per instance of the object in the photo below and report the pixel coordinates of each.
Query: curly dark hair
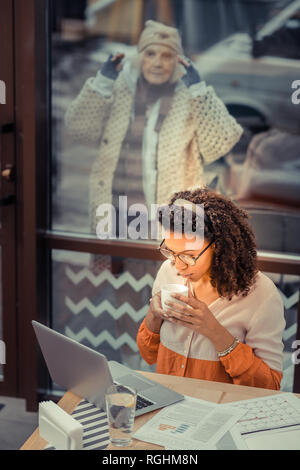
column 234, row 261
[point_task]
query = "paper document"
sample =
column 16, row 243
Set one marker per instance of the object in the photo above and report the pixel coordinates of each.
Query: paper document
column 190, row 424
column 268, row 413
column 271, row 422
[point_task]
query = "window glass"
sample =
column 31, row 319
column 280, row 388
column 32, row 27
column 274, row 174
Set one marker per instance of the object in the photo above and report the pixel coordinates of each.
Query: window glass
column 131, row 132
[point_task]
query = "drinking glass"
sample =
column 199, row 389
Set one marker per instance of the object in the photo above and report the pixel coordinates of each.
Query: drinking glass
column 120, row 409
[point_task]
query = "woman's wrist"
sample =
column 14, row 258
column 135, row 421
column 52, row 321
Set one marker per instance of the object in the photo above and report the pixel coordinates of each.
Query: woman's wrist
column 222, row 339
column 153, row 322
column 228, row 350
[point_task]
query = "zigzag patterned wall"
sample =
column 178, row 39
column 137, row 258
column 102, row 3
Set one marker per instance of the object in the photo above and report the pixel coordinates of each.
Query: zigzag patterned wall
column 103, row 311
column 96, row 341
column 116, row 282
column 106, row 306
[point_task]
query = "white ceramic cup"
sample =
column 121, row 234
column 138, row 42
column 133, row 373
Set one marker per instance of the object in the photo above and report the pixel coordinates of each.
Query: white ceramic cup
column 168, row 289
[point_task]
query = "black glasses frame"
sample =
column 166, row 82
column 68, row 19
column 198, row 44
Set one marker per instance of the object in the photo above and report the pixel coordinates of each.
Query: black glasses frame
column 195, row 259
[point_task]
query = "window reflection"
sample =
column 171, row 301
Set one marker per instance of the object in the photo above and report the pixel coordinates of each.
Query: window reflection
column 245, row 54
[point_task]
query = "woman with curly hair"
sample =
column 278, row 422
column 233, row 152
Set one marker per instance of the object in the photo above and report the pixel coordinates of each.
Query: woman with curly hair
column 229, row 327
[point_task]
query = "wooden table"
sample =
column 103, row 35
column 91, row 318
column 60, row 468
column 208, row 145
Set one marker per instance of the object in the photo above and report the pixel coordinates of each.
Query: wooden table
column 216, row 392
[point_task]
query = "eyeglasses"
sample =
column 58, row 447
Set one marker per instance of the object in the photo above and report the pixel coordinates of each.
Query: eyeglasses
column 186, row 259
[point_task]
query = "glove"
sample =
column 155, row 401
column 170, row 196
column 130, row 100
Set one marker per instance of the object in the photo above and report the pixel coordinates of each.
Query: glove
column 192, row 76
column 109, row 68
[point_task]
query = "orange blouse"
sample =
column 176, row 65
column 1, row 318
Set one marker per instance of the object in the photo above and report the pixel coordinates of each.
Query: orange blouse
column 241, row 366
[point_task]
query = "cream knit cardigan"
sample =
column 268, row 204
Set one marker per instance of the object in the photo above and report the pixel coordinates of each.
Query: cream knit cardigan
column 197, row 130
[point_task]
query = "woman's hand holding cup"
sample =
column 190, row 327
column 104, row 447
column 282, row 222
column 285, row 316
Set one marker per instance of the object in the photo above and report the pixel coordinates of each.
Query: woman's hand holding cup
column 157, row 308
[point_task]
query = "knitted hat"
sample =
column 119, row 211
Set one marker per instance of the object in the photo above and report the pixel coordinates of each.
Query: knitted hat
column 158, row 33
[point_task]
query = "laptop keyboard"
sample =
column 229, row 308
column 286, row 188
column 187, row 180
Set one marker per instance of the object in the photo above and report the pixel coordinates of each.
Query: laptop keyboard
column 141, row 402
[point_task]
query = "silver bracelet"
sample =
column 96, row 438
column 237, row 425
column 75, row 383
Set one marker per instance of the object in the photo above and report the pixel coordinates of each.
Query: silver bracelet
column 228, row 350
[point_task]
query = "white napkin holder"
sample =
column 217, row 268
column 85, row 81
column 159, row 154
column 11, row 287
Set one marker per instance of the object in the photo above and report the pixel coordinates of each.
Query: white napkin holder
column 59, row 428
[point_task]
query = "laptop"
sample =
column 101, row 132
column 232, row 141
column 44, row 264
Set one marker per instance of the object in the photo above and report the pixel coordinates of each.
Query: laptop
column 88, row 374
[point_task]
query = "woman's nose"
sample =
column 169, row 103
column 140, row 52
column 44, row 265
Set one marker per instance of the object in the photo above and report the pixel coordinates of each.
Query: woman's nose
column 157, row 61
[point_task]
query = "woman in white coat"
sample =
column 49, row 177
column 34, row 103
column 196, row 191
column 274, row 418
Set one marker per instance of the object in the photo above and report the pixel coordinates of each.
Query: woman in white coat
column 156, row 122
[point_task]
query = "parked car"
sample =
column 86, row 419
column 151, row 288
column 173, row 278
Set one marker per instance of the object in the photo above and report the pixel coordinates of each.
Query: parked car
column 254, row 77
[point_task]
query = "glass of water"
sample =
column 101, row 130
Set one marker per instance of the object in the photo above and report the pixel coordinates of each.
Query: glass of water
column 120, row 409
